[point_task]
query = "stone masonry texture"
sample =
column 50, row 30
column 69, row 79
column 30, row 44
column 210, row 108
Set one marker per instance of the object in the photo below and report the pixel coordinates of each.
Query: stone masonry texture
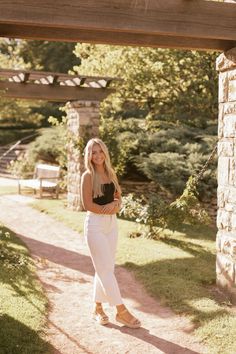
column 82, row 123
column 226, row 193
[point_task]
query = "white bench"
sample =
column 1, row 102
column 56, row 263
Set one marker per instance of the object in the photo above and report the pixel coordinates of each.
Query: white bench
column 46, row 177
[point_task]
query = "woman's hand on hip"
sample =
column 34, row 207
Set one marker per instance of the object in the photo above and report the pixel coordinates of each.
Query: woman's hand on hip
column 110, row 208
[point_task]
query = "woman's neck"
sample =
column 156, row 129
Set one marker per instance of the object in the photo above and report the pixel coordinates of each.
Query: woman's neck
column 100, row 170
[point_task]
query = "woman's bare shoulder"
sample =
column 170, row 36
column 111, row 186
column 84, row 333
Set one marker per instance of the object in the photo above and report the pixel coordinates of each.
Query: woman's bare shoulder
column 86, row 176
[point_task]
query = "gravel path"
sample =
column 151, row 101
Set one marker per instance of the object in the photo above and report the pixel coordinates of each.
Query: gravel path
column 66, row 272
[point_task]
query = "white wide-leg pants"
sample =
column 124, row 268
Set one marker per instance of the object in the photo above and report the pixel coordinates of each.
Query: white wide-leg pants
column 101, row 237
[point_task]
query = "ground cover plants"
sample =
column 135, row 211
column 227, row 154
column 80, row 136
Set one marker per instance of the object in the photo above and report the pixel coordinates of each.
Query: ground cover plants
column 23, row 306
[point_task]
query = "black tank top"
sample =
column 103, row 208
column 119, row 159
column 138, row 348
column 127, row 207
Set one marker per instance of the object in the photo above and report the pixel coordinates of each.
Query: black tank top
column 108, row 196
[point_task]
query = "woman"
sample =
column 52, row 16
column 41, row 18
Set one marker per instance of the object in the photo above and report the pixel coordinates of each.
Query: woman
column 101, row 197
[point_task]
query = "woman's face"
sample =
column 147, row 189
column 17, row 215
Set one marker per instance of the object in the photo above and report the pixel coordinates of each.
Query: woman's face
column 98, row 156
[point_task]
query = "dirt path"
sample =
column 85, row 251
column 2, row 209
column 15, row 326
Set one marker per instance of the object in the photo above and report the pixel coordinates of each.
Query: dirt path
column 65, row 269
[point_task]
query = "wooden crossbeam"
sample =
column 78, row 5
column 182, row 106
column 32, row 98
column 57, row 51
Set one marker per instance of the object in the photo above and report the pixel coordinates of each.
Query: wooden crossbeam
column 55, row 80
column 54, row 93
column 59, row 77
column 193, row 24
column 119, row 38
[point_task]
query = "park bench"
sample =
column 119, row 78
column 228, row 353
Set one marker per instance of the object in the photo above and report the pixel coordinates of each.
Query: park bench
column 45, row 178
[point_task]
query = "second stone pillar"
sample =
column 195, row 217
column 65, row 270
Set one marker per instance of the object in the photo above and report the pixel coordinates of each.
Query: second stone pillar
column 83, row 124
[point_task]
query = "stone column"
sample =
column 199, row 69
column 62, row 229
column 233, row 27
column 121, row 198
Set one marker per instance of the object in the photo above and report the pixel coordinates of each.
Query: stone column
column 226, row 215
column 83, row 123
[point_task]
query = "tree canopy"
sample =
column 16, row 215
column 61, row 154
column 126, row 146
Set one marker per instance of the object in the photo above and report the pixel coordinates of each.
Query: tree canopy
column 170, row 85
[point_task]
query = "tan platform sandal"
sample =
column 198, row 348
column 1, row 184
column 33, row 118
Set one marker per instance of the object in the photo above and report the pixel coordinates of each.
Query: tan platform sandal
column 102, row 319
column 133, row 323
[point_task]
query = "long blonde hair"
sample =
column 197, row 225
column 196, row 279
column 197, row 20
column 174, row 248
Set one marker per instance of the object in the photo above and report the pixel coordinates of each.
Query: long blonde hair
column 96, row 182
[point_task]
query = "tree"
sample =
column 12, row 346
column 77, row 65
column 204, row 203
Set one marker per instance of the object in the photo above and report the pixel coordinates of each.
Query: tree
column 12, row 111
column 34, row 55
column 163, row 84
column 161, row 122
column 49, row 56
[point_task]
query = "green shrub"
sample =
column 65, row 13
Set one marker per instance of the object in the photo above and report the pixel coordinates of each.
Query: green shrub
column 49, row 147
column 156, row 214
column 165, row 153
column 150, row 212
column 12, row 135
column 121, row 139
column 166, row 169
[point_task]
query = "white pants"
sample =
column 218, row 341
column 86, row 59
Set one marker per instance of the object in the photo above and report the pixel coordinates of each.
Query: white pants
column 101, row 236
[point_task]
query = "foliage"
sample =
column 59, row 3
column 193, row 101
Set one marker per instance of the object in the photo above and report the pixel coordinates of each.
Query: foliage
column 19, row 113
column 23, row 303
column 167, row 155
column 49, row 147
column 150, row 213
column 33, row 55
column 14, row 111
column 170, row 85
column 187, row 208
column 157, row 214
column 53, row 57
column 121, row 138
column 167, row 169
column 170, row 163
column 161, row 122
column 23, row 166
column 10, row 136
column 49, row 56
column 9, row 258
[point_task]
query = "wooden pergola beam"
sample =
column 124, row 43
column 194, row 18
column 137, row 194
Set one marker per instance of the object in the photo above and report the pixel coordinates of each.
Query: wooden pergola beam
column 53, row 92
column 171, row 23
column 118, row 38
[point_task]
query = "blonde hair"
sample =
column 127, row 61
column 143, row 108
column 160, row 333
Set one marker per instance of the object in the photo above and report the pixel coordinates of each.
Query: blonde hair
column 96, row 181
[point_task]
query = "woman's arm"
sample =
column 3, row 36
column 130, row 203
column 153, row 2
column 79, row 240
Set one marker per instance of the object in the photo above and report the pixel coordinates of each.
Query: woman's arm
column 87, row 198
column 117, row 196
column 113, row 207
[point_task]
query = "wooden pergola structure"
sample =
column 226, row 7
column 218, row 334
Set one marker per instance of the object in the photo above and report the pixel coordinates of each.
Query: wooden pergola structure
column 191, row 24
column 184, row 24
column 50, row 86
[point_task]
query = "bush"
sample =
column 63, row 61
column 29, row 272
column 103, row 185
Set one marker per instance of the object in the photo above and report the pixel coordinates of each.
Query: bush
column 12, row 135
column 49, row 147
column 165, row 153
column 150, row 213
column 167, row 169
column 121, row 139
column 156, row 214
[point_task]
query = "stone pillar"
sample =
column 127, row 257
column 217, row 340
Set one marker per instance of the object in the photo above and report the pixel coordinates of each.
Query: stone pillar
column 83, row 124
column 226, row 215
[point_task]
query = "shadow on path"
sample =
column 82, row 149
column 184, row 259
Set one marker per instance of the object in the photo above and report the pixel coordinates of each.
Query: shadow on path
column 59, row 255
column 143, row 334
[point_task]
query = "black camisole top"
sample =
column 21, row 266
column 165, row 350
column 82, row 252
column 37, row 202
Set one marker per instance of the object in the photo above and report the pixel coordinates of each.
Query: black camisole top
column 108, row 196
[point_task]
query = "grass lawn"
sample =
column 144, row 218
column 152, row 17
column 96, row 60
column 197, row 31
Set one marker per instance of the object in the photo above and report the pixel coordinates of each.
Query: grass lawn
column 8, row 190
column 179, row 269
column 23, row 305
